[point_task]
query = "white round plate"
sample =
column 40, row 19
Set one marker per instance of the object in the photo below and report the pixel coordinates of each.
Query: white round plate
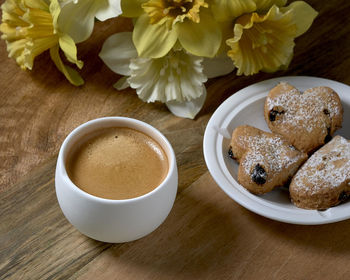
column 246, row 107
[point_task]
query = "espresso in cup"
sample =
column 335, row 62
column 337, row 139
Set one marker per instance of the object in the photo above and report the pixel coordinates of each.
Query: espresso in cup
column 117, row 163
column 89, row 154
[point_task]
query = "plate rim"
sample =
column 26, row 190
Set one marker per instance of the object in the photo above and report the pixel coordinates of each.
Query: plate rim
column 234, row 190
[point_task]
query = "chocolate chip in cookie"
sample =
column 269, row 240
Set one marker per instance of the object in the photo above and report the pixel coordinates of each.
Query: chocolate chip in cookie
column 266, row 159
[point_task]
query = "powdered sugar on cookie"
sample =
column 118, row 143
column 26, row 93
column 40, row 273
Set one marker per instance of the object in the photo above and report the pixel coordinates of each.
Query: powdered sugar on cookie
column 306, row 119
column 270, row 150
column 266, row 160
column 329, row 167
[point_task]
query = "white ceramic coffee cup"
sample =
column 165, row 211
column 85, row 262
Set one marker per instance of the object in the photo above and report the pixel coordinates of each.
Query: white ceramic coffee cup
column 111, row 220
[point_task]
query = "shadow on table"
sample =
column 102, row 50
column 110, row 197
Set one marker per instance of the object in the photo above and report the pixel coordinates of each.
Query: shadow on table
column 332, row 236
column 197, row 236
column 207, row 235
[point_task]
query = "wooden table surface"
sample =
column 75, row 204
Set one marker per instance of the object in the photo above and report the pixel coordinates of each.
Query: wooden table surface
column 207, row 235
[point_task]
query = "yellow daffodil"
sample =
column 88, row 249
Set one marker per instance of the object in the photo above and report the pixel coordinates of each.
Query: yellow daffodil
column 265, row 42
column 30, row 28
column 161, row 24
column 228, row 10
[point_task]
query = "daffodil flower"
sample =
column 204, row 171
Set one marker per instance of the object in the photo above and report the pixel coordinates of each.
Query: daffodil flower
column 177, row 79
column 228, row 10
column 30, row 27
column 161, row 24
column 263, row 6
column 265, row 42
column 77, row 16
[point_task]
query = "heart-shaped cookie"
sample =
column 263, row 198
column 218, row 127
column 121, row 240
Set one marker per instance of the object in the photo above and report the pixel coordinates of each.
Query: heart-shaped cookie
column 306, row 119
column 324, row 180
column 266, row 160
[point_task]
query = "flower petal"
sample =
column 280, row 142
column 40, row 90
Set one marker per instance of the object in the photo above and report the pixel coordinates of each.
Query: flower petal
column 226, row 31
column 217, row 66
column 303, row 15
column 201, row 39
column 153, row 40
column 110, row 10
column 36, row 4
column 117, row 51
column 224, row 10
column 188, row 109
column 72, row 76
column 122, row 83
column 262, row 6
column 70, row 50
column 132, row 8
column 77, row 19
column 55, row 11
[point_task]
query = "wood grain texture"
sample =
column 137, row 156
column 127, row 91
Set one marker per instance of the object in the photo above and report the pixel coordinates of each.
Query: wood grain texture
column 36, row 239
column 207, row 235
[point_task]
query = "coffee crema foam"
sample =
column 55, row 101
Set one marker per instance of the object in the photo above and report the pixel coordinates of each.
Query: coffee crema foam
column 118, row 163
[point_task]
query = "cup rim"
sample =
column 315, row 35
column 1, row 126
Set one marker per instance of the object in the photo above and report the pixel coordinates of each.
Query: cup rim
column 77, row 132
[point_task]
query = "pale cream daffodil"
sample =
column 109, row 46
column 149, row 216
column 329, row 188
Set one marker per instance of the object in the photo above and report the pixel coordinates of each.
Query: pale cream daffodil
column 78, row 16
column 30, row 27
column 265, row 42
column 161, row 24
column 176, row 79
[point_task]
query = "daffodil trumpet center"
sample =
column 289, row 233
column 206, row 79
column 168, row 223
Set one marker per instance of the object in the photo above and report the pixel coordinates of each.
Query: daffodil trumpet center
column 172, row 11
column 28, row 31
column 30, row 28
column 262, row 42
